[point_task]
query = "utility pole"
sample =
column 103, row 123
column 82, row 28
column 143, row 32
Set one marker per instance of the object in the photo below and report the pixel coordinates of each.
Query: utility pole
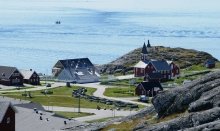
column 79, row 104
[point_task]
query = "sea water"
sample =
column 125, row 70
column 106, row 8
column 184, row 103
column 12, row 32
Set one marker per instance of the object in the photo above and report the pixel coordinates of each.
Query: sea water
column 101, row 30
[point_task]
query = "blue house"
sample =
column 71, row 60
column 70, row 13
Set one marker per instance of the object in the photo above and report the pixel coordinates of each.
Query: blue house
column 210, row 63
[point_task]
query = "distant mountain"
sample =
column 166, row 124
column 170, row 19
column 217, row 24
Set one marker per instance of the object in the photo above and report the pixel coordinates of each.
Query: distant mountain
column 183, row 57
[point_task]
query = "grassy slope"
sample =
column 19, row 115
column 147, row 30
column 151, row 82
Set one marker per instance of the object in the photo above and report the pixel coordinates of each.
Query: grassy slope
column 61, row 96
column 119, row 92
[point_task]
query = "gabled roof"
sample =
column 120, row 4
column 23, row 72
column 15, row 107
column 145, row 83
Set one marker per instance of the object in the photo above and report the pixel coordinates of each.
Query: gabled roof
column 169, row 62
column 160, row 65
column 150, row 85
column 76, row 63
column 3, row 109
column 141, row 64
column 27, row 73
column 144, row 49
column 6, row 72
column 148, row 44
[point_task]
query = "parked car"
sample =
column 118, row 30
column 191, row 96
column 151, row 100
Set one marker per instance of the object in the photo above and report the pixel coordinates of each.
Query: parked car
column 109, row 102
column 134, row 106
column 103, row 100
column 143, row 98
column 119, row 104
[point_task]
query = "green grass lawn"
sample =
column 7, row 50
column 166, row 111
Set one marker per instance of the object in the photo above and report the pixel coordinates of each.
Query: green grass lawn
column 72, row 114
column 120, row 92
column 217, row 65
column 190, row 73
column 61, row 96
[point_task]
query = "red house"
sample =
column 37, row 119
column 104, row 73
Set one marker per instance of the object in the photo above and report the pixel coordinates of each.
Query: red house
column 210, row 63
column 10, row 76
column 7, row 117
column 148, row 88
column 153, row 77
column 30, row 77
column 168, row 69
column 175, row 70
column 140, row 68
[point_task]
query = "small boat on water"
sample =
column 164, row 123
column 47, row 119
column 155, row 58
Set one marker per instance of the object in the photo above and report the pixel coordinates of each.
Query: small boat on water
column 58, row 22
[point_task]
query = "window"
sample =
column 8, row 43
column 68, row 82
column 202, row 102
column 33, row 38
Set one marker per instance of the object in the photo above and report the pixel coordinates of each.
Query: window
column 16, row 74
column 15, row 80
column 142, row 71
column 8, row 120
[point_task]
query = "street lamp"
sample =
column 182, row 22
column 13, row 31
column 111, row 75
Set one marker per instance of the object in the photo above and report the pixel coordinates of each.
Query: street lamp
column 78, row 93
column 79, row 104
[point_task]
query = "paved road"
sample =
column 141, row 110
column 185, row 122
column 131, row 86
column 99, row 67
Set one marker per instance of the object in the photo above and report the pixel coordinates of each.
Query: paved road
column 125, row 77
column 99, row 114
column 53, row 85
column 101, row 89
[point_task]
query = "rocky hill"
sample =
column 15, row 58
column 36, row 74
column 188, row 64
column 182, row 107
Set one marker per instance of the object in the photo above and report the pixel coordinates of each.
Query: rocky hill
column 198, row 103
column 183, row 57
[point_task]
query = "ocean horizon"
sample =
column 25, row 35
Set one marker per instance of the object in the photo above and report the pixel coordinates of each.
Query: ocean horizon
column 31, row 39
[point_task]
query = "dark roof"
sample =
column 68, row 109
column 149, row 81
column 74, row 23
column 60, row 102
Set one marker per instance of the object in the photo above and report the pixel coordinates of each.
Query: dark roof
column 160, row 65
column 148, row 44
column 31, row 105
column 75, row 63
column 3, row 109
column 156, row 75
column 6, row 72
column 150, row 85
column 144, row 49
column 210, row 61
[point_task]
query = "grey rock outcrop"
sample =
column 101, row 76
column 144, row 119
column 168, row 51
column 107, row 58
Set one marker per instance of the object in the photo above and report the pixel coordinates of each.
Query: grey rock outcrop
column 201, row 94
column 198, row 101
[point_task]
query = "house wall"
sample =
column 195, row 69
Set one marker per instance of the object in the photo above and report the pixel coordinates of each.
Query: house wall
column 34, row 80
column 175, row 70
column 210, row 65
column 5, row 82
column 8, row 122
column 139, row 72
column 139, row 90
column 166, row 74
column 149, row 69
column 16, row 78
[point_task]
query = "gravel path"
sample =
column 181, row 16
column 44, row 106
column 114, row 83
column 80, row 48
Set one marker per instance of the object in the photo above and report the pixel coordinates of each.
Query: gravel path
column 100, row 93
column 99, row 114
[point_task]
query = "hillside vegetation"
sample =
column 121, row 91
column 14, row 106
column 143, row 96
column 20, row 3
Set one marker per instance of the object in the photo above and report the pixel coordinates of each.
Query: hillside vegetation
column 183, row 57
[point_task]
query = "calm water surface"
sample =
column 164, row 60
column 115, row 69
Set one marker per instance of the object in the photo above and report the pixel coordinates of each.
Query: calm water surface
column 29, row 37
